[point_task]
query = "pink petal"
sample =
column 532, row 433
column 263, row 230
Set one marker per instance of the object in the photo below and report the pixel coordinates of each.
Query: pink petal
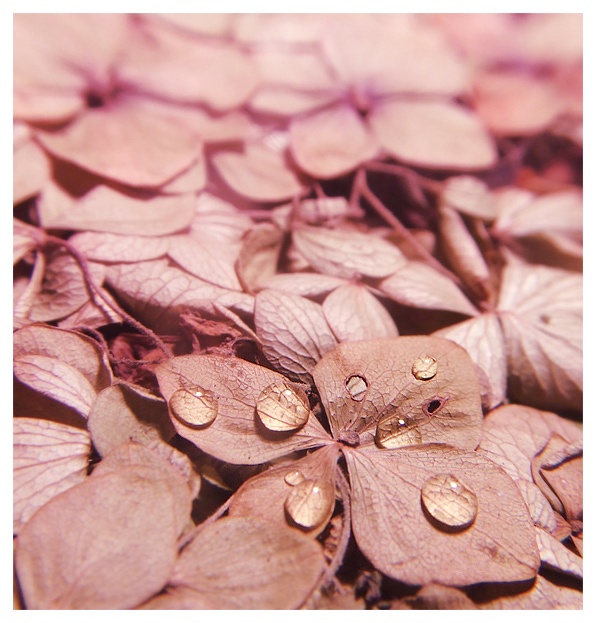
column 134, row 141
column 258, row 172
column 107, row 543
column 331, row 142
column 48, row 458
column 433, row 134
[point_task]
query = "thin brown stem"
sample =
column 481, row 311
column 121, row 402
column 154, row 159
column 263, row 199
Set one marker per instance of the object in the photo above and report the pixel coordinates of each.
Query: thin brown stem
column 387, row 215
column 94, row 290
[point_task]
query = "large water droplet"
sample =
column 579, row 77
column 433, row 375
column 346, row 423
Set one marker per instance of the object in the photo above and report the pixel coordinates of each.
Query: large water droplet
column 357, row 387
column 447, row 500
column 310, row 503
column 280, row 408
column 294, row 478
column 193, row 405
column 396, row 431
column 425, row 368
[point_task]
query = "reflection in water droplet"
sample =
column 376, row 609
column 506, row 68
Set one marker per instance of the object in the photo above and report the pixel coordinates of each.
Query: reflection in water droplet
column 294, row 478
column 396, row 431
column 280, row 408
column 193, row 405
column 310, row 503
column 425, row 368
column 357, row 387
column 447, row 500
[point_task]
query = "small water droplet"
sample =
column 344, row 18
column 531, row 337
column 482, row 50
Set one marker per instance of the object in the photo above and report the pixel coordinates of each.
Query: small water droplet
column 294, row 478
column 447, row 500
column 397, row 431
column 357, row 387
column 193, row 405
column 280, row 408
column 310, row 503
column 425, row 368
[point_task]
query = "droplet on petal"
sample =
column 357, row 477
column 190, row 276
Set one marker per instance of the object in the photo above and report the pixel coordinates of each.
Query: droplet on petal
column 357, row 387
column 310, row 503
column 280, row 408
column 447, row 500
column 294, row 478
column 397, row 431
column 194, row 406
column 425, row 368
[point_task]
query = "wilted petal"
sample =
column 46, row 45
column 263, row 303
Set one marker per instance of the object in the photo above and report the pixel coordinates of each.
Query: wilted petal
column 135, row 141
column 125, row 412
column 554, row 555
column 48, row 459
column 471, row 196
column 259, row 255
column 25, row 238
column 331, row 142
column 418, row 285
column 392, row 391
column 166, row 63
column 353, row 313
column 433, row 134
column 540, row 310
column 483, row 338
column 236, row 435
column 31, row 169
column 543, row 595
column 346, row 253
column 265, row 495
column 293, row 331
column 106, row 210
column 258, row 172
column 245, row 563
column 393, row 531
column 108, row 247
column 107, row 543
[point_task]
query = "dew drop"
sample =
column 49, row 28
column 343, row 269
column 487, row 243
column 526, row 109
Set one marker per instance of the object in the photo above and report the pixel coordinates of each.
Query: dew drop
column 310, row 503
column 280, row 408
column 294, row 478
column 397, row 431
column 447, row 500
column 357, row 387
column 193, row 405
column 425, row 368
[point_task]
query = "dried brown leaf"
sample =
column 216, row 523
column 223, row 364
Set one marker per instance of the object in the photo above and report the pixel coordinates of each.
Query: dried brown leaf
column 48, row 458
column 236, row 435
column 347, row 254
column 418, row 285
column 353, row 313
column 123, row 553
column 396, row 535
column 126, row 412
column 293, row 331
column 391, row 389
column 266, row 494
column 243, row 563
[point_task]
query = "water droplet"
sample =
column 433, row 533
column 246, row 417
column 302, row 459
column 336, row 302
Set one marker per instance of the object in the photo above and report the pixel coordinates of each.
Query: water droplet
column 425, row 368
column 447, row 500
column 396, row 431
column 280, row 408
column 193, row 405
column 310, row 503
column 294, row 478
column 357, row 387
